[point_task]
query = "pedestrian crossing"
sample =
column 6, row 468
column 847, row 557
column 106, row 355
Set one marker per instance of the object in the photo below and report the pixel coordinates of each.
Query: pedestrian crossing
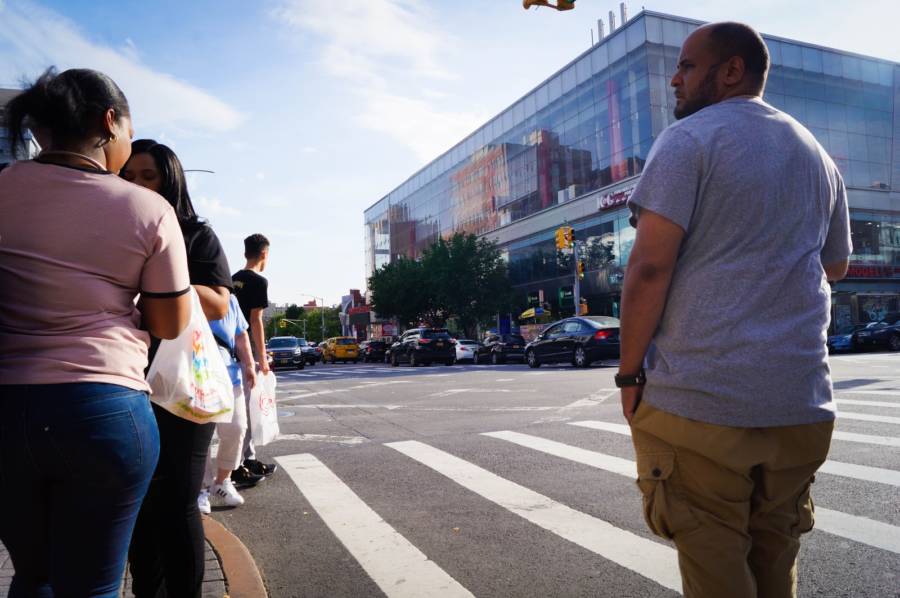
column 394, row 562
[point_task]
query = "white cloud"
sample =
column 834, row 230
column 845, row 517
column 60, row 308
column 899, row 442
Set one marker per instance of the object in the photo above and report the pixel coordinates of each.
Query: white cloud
column 33, row 37
column 385, row 49
column 211, row 206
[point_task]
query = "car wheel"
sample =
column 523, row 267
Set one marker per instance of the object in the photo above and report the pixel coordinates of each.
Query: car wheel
column 894, row 343
column 394, row 362
column 579, row 358
column 532, row 360
column 412, row 360
column 355, row 361
column 450, row 361
column 475, row 359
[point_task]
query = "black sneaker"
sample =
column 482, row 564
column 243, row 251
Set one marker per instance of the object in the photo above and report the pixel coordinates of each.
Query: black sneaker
column 244, row 478
column 259, row 468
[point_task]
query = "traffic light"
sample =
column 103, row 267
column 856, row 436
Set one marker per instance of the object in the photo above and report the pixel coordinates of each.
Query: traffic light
column 580, row 269
column 565, row 236
column 282, row 324
column 560, row 4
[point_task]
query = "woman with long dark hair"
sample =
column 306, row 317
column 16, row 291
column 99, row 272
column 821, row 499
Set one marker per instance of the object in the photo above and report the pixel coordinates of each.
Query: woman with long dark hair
column 78, row 439
column 167, row 550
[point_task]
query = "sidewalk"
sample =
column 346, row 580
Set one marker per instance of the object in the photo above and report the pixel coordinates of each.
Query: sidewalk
column 230, row 555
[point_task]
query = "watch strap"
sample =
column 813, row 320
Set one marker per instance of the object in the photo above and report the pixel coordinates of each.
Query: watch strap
column 638, row 379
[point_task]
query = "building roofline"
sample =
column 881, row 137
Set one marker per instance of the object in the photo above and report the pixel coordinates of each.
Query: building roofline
column 620, row 29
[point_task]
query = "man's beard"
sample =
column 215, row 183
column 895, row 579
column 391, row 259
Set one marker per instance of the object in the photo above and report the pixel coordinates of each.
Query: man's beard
column 706, row 96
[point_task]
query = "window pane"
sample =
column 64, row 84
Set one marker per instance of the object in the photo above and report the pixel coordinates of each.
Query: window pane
column 599, row 58
column 774, row 51
column 831, row 63
column 555, row 86
column 635, row 34
column 568, row 79
column 673, row 35
column 616, row 47
column 852, row 67
column 817, row 113
column 654, row 30
column 869, row 71
column 791, row 55
column 812, row 59
column 837, row 117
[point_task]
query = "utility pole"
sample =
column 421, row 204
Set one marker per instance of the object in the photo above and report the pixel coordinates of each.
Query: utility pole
column 576, row 293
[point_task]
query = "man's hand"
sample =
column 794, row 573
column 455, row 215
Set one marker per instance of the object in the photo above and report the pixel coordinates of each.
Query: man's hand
column 264, row 366
column 249, row 376
column 631, row 397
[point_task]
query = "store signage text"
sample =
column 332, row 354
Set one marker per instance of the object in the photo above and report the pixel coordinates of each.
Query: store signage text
column 863, row 271
column 614, row 199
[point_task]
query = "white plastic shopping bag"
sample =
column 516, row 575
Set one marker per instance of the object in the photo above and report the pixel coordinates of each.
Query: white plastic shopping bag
column 263, row 410
column 188, row 376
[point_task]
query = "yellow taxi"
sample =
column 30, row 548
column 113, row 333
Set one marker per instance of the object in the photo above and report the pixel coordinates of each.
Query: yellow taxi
column 343, row 348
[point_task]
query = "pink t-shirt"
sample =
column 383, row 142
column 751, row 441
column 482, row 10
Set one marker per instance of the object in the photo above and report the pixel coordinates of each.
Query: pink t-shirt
column 76, row 247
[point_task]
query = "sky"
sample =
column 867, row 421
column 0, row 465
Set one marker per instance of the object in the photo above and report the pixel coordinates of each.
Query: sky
column 310, row 111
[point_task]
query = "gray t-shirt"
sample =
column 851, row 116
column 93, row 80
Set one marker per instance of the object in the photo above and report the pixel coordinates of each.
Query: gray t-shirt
column 742, row 338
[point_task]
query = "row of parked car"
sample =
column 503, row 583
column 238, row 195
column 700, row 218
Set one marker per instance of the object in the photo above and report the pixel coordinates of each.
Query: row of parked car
column 883, row 334
column 579, row 340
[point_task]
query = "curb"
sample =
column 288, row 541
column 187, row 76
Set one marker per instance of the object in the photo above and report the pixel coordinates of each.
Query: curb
column 241, row 573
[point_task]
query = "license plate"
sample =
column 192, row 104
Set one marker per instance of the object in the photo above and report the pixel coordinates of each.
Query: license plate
column 515, row 346
column 438, row 344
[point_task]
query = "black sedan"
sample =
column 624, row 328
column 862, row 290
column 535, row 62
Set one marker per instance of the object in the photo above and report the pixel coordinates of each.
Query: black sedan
column 580, row 341
column 883, row 334
column 422, row 346
column 286, row 351
column 372, row 351
column 309, row 352
column 500, row 348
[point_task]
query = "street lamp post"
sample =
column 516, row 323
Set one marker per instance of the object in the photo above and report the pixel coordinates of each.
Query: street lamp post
column 322, row 299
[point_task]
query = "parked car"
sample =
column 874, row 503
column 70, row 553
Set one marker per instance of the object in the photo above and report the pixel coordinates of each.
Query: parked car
column 467, row 349
column 500, row 348
column 842, row 340
column 286, row 351
column 343, row 348
column 885, row 333
column 424, row 346
column 309, row 351
column 372, row 351
column 580, row 341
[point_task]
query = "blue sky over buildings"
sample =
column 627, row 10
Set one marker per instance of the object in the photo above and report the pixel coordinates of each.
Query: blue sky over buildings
column 309, row 111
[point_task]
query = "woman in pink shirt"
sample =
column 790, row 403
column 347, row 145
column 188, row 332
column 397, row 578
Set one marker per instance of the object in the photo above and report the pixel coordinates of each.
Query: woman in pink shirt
column 78, row 440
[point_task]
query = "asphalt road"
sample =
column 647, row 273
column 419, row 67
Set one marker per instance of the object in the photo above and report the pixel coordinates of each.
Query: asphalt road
column 389, row 485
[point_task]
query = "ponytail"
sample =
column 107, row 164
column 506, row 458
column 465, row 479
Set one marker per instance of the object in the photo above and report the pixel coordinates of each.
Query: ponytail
column 70, row 105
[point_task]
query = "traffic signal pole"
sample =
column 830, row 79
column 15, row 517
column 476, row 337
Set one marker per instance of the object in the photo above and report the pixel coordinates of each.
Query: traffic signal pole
column 576, row 293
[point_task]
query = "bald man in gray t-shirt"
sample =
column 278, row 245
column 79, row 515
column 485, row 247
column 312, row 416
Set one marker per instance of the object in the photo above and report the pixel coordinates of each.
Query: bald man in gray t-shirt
column 741, row 222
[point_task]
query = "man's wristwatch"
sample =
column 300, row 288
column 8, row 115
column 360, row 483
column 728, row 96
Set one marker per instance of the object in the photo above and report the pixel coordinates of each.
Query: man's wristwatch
column 638, row 379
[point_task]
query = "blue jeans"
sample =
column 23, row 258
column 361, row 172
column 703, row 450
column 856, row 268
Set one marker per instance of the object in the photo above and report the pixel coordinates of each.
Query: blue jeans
column 75, row 463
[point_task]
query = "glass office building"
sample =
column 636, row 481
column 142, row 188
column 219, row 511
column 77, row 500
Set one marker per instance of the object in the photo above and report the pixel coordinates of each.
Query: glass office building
column 572, row 149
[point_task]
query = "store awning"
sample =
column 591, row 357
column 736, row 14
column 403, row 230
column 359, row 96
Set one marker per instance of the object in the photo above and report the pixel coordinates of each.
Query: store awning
column 531, row 312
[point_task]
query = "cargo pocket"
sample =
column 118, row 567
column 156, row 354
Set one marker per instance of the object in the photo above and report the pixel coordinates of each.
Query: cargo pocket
column 665, row 511
column 806, row 512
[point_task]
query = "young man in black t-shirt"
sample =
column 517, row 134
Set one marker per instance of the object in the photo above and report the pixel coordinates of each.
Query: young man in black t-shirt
column 251, row 290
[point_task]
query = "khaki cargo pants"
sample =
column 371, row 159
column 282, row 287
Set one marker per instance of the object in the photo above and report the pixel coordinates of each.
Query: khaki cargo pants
column 734, row 500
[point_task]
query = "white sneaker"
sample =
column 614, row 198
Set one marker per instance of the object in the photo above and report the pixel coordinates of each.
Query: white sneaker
column 203, row 502
column 227, row 493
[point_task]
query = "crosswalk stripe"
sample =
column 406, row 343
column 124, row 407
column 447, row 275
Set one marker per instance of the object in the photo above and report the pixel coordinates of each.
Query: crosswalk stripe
column 653, row 560
column 885, row 393
column 889, row 404
column 868, row 417
column 848, row 470
column 859, row 529
column 836, row 435
column 866, row 438
column 862, row 472
column 400, row 569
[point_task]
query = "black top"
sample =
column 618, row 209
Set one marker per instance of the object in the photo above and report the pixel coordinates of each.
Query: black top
column 252, row 291
column 207, row 264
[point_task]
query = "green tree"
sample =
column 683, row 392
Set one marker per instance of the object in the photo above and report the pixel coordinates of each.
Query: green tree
column 462, row 277
column 293, row 312
column 313, row 317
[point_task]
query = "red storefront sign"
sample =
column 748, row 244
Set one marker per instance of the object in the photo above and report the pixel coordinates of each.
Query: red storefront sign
column 872, row 271
column 616, row 198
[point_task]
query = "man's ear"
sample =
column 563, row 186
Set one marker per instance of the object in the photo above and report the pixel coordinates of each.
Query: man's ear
column 734, row 71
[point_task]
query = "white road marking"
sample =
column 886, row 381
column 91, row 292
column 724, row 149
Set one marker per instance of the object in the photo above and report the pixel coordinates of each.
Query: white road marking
column 592, row 400
column 868, row 417
column 400, row 569
column 868, row 403
column 653, row 560
column 866, row 438
column 852, row 527
column 330, row 391
column 348, row 440
column 886, row 393
column 859, row 529
column 847, row 470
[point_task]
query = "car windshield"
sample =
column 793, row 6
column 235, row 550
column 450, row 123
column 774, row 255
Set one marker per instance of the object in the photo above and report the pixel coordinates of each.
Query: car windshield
column 514, row 339
column 282, row 343
column 302, row 342
column 435, row 333
column 345, row 341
